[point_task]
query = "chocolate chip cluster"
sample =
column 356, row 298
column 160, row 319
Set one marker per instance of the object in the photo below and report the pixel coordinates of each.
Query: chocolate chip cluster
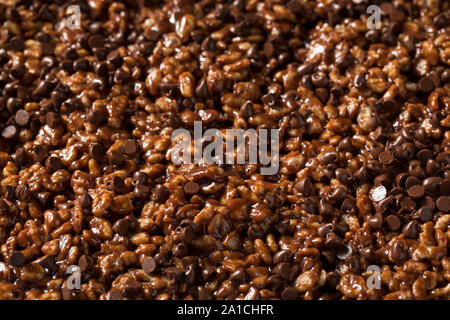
column 360, row 206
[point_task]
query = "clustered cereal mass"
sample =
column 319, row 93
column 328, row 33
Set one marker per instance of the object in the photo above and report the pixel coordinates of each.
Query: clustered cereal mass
column 87, row 180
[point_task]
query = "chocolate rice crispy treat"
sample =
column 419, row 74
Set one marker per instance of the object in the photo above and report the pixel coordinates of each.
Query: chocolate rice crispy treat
column 87, row 181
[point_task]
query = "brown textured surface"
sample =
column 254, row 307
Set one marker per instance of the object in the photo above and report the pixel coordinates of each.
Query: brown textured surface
column 86, row 122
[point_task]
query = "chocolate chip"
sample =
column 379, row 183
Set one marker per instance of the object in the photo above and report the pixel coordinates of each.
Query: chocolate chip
column 426, row 84
column 247, row 110
column 17, row 259
column 141, row 191
column 416, row 170
column 325, row 229
column 383, row 205
column 328, row 157
column 191, row 188
column 130, row 147
column 393, row 222
column 443, row 203
column 444, row 187
column 52, row 119
column 388, row 38
column 271, row 99
column 139, row 177
column 81, row 64
column 283, row 270
column 96, row 151
column 20, row 157
column 304, row 186
column 386, row 157
column 432, row 167
column 411, row 181
column 296, row 121
column 149, row 265
column 289, row 293
column 424, row 154
column 443, row 158
column 441, row 21
column 160, row 194
column 428, row 202
column 202, row 89
column 425, row 214
column 95, row 117
column 431, row 185
column 96, row 41
column 53, row 163
column 398, row 252
column 416, row 191
column 132, row 288
column 344, row 61
column 375, row 222
column 115, row 157
column 10, row 132
column 122, row 226
column 362, row 174
column 16, row 44
column 411, row 230
column 344, row 252
column 22, row 118
column 48, row 262
column 333, row 241
column 85, row 201
column 383, row 179
column 117, row 185
column 322, row 94
column 338, row 195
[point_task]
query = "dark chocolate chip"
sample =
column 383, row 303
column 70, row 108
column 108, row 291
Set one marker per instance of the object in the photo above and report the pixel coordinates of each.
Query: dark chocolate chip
column 304, row 186
column 416, row 191
column 411, row 230
column 17, row 259
column 96, row 151
column 160, row 194
column 443, row 203
column 149, row 264
column 393, row 222
column 289, row 293
column 85, row 200
column 130, row 147
column 191, row 188
column 22, row 118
